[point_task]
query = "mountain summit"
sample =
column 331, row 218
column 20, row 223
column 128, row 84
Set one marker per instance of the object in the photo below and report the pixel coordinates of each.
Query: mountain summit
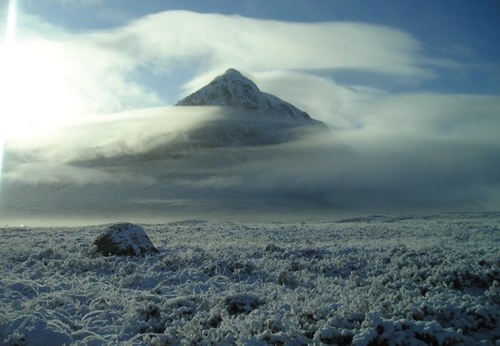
column 232, row 89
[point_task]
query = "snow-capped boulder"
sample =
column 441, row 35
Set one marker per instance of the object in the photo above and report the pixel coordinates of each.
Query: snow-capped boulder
column 124, row 239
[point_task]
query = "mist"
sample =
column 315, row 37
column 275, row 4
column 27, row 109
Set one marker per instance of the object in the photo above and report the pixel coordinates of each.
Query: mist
column 169, row 163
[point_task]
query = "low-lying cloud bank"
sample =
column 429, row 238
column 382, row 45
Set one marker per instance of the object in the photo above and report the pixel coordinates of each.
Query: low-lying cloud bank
column 147, row 162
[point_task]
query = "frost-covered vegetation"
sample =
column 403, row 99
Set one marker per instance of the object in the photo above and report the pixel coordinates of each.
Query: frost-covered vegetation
column 379, row 280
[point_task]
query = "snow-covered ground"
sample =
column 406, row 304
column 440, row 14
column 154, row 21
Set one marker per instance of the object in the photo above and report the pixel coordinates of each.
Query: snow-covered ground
column 378, row 280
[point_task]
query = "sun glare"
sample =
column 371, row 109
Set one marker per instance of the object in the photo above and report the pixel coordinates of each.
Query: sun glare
column 5, row 60
column 34, row 81
column 35, row 97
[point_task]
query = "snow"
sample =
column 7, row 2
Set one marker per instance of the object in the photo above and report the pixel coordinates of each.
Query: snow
column 374, row 280
column 229, row 89
column 232, row 89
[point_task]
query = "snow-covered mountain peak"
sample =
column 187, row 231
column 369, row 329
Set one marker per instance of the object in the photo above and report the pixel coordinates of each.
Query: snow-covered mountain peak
column 232, row 89
column 235, row 75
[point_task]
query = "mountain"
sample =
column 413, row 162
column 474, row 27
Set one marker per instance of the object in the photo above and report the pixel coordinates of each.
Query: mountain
column 236, row 91
column 241, row 116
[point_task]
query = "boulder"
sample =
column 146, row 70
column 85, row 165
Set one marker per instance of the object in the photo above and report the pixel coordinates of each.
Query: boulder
column 124, row 239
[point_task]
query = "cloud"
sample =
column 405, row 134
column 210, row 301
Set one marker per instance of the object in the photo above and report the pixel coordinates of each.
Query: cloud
column 212, row 42
column 107, row 135
column 396, row 176
column 455, row 117
column 54, row 66
column 362, row 171
column 321, row 97
column 57, row 175
column 219, row 40
column 361, row 113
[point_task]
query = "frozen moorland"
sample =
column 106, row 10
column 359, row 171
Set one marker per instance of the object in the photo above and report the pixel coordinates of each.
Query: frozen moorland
column 378, row 280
